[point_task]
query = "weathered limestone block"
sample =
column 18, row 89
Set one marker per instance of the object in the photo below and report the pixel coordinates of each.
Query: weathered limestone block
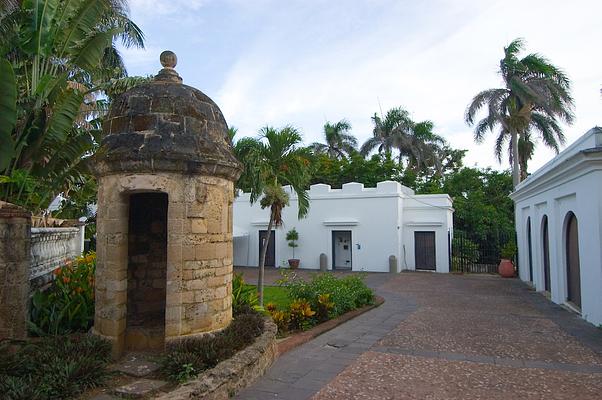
column 15, row 242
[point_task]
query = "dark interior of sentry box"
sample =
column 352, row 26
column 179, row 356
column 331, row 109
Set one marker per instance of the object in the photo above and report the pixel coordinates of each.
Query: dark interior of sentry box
column 147, row 267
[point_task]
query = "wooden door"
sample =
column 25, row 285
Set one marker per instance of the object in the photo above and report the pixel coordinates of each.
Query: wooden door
column 572, row 262
column 546, row 255
column 424, row 250
column 530, row 244
column 270, row 255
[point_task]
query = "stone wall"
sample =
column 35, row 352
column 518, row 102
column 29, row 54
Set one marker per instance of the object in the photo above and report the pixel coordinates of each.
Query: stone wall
column 15, row 241
column 51, row 248
column 199, row 253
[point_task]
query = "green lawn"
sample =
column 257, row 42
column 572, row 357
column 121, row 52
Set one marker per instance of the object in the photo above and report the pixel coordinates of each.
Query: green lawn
column 277, row 295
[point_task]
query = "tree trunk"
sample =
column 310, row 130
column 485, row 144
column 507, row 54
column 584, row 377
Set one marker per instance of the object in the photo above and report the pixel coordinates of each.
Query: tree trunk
column 264, row 250
column 515, row 163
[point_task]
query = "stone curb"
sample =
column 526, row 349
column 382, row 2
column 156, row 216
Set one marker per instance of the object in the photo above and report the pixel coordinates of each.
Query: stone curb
column 300, row 338
column 234, row 374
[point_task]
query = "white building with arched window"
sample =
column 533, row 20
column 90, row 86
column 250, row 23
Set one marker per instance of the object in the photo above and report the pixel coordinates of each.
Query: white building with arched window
column 558, row 211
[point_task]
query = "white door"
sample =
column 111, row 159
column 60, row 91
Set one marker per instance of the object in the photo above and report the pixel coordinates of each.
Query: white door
column 341, row 249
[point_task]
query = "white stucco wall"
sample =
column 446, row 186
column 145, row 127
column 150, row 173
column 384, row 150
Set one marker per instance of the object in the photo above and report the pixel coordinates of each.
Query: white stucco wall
column 381, row 220
column 571, row 182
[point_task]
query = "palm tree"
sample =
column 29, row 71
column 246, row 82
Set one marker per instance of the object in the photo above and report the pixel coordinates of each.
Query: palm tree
column 420, row 146
column 338, row 141
column 273, row 160
column 535, row 96
column 388, row 131
column 58, row 57
column 415, row 141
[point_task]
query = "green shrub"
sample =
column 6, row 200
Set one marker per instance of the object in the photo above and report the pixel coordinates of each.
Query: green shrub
column 68, row 305
column 345, row 293
column 58, row 367
column 508, row 251
column 300, row 315
column 243, row 295
column 325, row 306
column 363, row 294
column 292, row 237
column 188, row 358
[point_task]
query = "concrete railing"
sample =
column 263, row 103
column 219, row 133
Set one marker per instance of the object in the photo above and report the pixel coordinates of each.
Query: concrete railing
column 51, row 248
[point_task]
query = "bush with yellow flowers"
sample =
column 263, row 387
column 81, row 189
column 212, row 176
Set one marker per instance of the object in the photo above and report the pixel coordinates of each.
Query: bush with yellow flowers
column 68, row 305
column 301, row 314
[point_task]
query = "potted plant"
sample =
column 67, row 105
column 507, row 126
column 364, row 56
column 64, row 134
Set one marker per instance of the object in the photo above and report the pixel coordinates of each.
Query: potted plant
column 292, row 237
column 506, row 267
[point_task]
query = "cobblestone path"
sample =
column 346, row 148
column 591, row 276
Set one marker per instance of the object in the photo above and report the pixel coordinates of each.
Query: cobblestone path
column 444, row 337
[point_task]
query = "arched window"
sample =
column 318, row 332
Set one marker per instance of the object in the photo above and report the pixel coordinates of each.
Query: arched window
column 546, row 253
column 530, row 251
column 573, row 269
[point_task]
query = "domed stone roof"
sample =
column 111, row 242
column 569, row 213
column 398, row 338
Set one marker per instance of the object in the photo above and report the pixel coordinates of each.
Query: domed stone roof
column 164, row 125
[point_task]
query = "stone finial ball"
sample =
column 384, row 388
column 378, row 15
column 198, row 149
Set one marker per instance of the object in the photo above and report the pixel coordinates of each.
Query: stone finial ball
column 168, row 59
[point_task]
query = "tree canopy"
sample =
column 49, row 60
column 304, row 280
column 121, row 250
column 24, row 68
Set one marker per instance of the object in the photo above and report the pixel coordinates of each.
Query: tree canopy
column 59, row 61
column 535, row 98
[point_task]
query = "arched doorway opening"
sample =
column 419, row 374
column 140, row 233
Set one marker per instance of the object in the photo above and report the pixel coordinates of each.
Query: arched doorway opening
column 573, row 269
column 546, row 254
column 529, row 240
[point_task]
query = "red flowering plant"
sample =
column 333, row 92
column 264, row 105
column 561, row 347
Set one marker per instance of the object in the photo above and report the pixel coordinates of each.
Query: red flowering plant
column 68, row 305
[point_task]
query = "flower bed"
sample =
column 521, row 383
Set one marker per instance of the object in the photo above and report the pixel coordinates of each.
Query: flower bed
column 67, row 306
column 305, row 304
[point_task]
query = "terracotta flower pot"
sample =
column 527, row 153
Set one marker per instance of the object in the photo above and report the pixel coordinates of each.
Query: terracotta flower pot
column 506, row 268
column 293, row 263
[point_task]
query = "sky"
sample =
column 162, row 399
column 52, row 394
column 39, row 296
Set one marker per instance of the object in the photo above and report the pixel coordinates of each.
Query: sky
column 306, row 62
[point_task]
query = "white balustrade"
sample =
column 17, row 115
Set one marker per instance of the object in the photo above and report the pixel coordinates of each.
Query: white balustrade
column 52, row 247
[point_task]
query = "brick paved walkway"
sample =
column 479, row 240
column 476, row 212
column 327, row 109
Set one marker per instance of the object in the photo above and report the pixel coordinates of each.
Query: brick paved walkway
column 444, row 337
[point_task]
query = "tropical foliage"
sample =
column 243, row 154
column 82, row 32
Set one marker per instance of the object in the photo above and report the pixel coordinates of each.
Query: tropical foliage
column 60, row 367
column 415, row 142
column 58, row 62
column 274, row 159
column 534, row 100
column 482, row 209
column 321, row 298
column 68, row 305
column 188, row 358
column 339, row 142
column 243, row 295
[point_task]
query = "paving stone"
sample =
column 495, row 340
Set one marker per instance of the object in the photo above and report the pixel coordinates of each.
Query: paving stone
column 103, row 396
column 255, row 394
column 443, row 336
column 136, row 365
column 140, row 388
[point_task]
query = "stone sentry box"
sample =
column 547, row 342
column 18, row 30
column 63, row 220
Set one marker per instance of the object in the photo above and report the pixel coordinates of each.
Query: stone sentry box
column 165, row 174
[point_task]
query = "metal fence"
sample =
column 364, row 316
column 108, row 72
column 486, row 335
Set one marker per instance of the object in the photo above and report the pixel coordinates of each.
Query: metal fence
column 471, row 255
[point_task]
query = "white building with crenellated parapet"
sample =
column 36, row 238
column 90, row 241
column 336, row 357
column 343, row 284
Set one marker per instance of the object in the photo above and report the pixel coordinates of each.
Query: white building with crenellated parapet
column 357, row 228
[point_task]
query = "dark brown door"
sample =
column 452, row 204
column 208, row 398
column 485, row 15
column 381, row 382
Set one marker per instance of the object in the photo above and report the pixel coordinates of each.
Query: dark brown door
column 546, row 254
column 529, row 243
column 572, row 262
column 424, row 250
column 270, row 256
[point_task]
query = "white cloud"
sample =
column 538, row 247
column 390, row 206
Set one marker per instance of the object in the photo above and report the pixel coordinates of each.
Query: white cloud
column 431, row 62
column 159, row 8
column 303, row 62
